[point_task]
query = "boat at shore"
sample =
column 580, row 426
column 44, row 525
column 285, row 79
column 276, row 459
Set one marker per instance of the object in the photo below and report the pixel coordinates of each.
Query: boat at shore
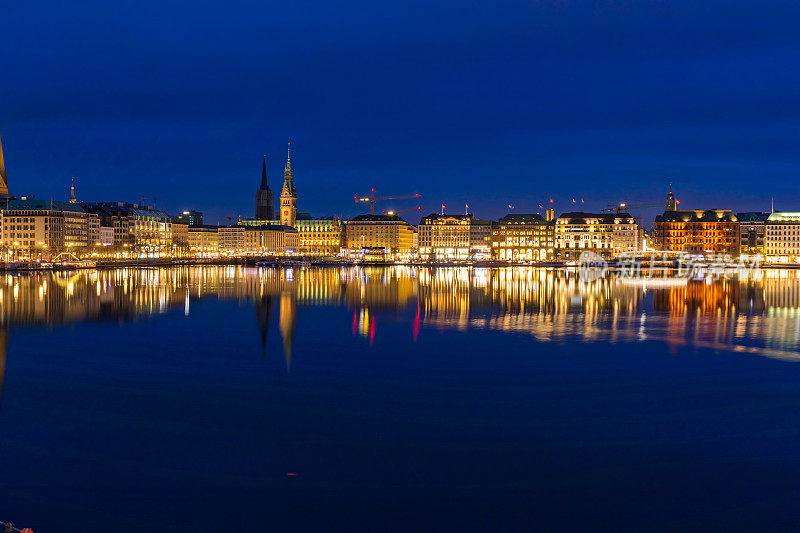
column 331, row 261
column 281, row 262
column 297, row 263
column 27, row 265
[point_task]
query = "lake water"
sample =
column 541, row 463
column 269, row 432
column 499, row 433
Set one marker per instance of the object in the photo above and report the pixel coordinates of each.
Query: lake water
column 239, row 399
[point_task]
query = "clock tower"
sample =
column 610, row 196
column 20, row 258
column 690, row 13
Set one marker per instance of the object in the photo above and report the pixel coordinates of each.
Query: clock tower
column 288, row 194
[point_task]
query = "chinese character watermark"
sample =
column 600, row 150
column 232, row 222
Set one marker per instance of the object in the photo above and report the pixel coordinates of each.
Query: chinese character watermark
column 592, row 266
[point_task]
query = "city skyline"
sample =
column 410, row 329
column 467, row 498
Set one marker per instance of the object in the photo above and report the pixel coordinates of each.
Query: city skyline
column 547, row 99
column 44, row 231
column 265, row 202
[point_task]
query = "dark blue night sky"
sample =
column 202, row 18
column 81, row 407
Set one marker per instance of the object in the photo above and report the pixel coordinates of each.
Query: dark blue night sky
column 486, row 103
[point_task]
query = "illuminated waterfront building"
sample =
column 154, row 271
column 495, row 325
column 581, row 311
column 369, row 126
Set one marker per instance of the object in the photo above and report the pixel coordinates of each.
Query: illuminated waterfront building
column 268, row 239
column 288, row 195
column 93, row 228
column 80, row 229
column 627, row 235
column 782, row 238
column 752, row 226
column 444, row 237
column 265, row 198
column 140, row 229
column 231, row 240
column 669, row 231
column 712, row 231
column 520, row 237
column 203, row 241
column 271, row 240
column 180, row 238
column 37, row 226
column 318, row 236
column 151, row 229
column 454, row 237
column 607, row 234
column 107, row 236
column 113, row 217
column 480, row 239
column 390, row 234
column 123, row 235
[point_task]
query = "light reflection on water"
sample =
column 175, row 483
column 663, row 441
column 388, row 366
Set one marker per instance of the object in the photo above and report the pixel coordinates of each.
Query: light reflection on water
column 759, row 314
column 570, row 419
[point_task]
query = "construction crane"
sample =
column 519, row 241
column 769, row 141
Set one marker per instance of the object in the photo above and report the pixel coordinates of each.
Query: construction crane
column 623, row 207
column 372, row 199
column 418, row 208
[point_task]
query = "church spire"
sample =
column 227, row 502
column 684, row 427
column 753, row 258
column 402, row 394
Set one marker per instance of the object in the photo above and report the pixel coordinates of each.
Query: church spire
column 288, row 182
column 288, row 194
column 265, row 198
column 3, row 177
column 72, row 199
column 264, row 173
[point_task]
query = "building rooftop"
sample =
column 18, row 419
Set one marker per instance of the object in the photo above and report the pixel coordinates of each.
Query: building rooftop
column 579, row 217
column 43, row 205
column 149, row 213
column 270, row 227
column 523, row 218
column 439, row 216
column 377, row 218
column 101, row 210
column 697, row 215
column 781, row 216
column 753, row 216
column 197, row 227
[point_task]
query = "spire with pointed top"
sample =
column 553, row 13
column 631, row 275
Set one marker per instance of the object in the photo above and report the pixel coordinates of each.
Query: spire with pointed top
column 288, row 182
column 288, row 213
column 3, row 177
column 72, row 199
column 671, row 204
column 264, row 173
column 265, row 199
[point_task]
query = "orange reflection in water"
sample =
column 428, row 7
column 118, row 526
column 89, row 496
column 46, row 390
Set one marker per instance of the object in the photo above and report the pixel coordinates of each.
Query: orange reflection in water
column 757, row 313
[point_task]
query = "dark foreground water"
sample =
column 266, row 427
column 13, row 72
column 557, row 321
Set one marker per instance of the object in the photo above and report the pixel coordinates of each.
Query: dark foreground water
column 229, row 399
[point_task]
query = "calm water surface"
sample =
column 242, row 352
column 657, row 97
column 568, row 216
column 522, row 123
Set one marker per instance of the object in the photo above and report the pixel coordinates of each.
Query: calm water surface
column 236, row 399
